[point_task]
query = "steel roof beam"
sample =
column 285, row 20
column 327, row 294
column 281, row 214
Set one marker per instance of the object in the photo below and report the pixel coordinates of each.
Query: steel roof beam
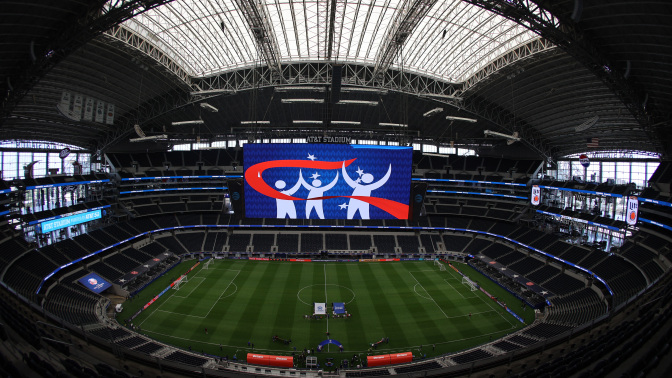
column 74, row 36
column 410, row 15
column 257, row 19
column 500, row 116
column 320, row 74
column 146, row 112
column 564, row 34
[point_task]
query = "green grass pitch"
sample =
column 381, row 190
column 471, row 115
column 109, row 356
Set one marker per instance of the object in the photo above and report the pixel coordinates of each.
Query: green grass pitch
column 414, row 304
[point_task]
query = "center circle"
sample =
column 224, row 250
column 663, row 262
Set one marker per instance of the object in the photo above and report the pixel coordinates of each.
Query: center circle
column 316, row 293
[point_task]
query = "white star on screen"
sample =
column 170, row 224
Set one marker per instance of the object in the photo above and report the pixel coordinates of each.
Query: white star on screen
column 315, row 176
column 359, row 171
column 343, row 205
column 544, row 292
column 311, row 157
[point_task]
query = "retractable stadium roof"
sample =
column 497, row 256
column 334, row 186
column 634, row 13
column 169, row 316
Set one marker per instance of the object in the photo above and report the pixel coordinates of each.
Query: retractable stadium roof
column 556, row 72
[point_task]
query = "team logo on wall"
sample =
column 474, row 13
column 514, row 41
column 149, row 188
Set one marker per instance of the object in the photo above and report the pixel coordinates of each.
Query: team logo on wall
column 94, row 283
column 633, row 208
column 536, row 195
column 64, row 153
column 327, row 181
column 583, row 159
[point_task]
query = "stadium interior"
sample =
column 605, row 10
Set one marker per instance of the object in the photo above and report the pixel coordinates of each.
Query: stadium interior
column 124, row 125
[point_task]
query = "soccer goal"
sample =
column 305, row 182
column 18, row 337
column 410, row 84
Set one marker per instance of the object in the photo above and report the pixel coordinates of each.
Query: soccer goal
column 207, row 263
column 180, row 281
column 473, row 285
column 441, row 266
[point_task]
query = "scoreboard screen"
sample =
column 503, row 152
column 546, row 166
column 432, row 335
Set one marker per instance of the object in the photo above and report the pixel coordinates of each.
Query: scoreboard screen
column 327, row 181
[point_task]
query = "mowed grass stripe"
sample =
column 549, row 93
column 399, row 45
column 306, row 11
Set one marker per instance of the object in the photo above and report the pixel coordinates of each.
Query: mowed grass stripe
column 287, row 312
column 318, row 327
column 378, row 296
column 457, row 308
column 219, row 282
column 494, row 289
column 428, row 311
column 497, row 316
column 408, row 305
column 207, row 302
column 350, row 331
column 300, row 330
column 252, row 316
column 182, row 317
column 272, row 305
column 266, row 303
column 232, row 307
column 363, row 309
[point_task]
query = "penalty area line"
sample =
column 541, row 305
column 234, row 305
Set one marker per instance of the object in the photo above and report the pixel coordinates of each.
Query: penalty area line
column 430, row 296
column 220, row 295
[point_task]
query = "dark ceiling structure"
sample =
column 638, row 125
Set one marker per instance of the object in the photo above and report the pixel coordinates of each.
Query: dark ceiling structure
column 557, row 73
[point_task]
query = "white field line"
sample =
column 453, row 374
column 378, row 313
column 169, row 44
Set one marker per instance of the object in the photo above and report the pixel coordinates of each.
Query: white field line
column 430, row 296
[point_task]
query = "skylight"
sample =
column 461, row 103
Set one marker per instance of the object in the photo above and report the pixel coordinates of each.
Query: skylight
column 452, row 42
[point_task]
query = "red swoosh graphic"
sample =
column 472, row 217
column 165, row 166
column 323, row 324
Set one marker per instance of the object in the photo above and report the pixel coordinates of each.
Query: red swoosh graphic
column 254, row 179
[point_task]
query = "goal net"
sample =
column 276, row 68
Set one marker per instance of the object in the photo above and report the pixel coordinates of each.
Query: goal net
column 179, row 282
column 441, row 266
column 470, row 283
column 207, row 263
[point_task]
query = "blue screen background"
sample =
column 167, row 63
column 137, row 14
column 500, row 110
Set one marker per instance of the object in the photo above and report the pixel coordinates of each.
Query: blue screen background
column 371, row 159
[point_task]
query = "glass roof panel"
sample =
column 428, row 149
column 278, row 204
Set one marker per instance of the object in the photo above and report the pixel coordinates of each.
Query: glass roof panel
column 452, row 42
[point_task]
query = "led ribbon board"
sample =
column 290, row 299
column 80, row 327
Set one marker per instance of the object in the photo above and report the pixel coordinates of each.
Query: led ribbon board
column 327, row 181
column 72, row 220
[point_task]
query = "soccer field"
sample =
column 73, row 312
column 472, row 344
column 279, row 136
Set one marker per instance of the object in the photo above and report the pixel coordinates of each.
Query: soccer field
column 414, row 304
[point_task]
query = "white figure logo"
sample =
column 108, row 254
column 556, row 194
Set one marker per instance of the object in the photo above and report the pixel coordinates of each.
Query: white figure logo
column 362, row 190
column 316, row 191
column 286, row 207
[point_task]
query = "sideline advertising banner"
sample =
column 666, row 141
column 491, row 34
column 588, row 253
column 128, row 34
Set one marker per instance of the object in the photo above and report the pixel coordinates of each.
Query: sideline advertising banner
column 269, row 360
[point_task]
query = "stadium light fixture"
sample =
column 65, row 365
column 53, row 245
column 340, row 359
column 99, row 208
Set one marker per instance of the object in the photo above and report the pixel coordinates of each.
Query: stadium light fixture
column 153, row 137
column 433, row 112
column 392, row 124
column 298, row 89
column 510, row 138
column 449, row 97
column 357, row 102
column 139, row 131
column 209, row 107
column 308, row 121
column 587, row 124
column 255, row 122
column 194, row 122
column 365, row 90
column 211, row 92
column 302, row 100
column 461, row 119
column 346, row 123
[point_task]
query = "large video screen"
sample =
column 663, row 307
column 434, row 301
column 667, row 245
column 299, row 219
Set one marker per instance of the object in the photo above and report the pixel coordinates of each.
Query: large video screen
column 327, row 181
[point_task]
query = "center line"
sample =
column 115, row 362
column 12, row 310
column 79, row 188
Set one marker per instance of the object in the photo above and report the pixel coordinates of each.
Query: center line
column 325, row 294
